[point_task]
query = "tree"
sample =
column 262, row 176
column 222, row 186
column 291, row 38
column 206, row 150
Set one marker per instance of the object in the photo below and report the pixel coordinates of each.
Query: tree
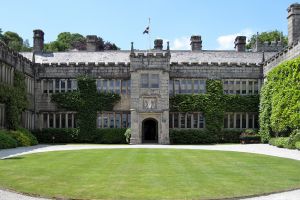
column 68, row 41
column 267, row 37
column 1, row 35
column 110, row 46
column 26, row 47
column 13, row 40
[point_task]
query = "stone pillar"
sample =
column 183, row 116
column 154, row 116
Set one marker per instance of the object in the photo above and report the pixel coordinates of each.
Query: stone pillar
column 240, row 43
column 196, row 42
column 293, row 23
column 38, row 41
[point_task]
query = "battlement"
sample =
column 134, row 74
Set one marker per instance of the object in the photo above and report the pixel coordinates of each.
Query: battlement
column 273, row 46
column 14, row 59
column 83, row 64
column 160, row 54
column 287, row 53
column 214, row 64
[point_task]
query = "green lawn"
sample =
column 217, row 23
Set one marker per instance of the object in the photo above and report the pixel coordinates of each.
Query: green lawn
column 148, row 174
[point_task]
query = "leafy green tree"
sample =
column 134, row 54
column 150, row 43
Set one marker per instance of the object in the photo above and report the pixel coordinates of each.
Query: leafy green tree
column 55, row 46
column 267, row 37
column 110, row 46
column 72, row 40
column 13, row 40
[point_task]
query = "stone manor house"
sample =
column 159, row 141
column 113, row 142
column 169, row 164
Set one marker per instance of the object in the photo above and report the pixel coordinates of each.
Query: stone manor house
column 145, row 80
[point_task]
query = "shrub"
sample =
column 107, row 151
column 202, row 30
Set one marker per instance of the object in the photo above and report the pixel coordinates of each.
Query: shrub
column 70, row 135
column 57, row 135
column 192, row 136
column 33, row 139
column 297, row 145
column 128, row 135
column 110, row 136
column 250, row 139
column 281, row 142
column 294, row 137
column 6, row 141
column 230, row 136
column 22, row 139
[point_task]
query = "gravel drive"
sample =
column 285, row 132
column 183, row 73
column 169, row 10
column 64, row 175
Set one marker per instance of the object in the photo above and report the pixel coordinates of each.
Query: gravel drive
column 251, row 148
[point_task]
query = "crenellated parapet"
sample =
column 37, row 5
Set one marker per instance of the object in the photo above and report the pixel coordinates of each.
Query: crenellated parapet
column 72, row 70
column 150, row 60
column 273, row 46
column 288, row 53
column 14, row 59
column 214, row 64
column 215, row 70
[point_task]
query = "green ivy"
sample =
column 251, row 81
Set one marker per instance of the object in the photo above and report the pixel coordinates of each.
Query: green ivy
column 15, row 99
column 214, row 104
column 86, row 101
column 280, row 100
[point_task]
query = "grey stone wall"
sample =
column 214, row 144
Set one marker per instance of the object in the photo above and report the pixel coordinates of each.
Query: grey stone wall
column 287, row 53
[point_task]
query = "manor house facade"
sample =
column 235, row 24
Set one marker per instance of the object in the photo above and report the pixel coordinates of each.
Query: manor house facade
column 145, row 81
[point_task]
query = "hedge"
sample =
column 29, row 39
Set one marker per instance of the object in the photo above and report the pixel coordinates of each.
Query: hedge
column 281, row 142
column 230, row 136
column 19, row 138
column 6, row 141
column 297, row 145
column 192, row 136
column 71, row 135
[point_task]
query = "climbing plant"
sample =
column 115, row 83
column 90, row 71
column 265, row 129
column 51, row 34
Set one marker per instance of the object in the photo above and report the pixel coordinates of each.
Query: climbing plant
column 280, row 100
column 86, row 101
column 15, row 98
column 214, row 104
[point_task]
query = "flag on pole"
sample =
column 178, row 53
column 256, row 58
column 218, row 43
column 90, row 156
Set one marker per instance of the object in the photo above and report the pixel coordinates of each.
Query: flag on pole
column 146, row 30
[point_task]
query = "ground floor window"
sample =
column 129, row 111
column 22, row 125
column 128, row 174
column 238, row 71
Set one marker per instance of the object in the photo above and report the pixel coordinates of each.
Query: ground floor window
column 241, row 120
column 2, row 115
column 59, row 120
column 121, row 119
column 186, row 120
column 27, row 119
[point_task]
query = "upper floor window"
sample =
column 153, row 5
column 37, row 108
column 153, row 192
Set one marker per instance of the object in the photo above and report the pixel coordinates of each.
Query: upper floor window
column 149, row 81
column 241, row 86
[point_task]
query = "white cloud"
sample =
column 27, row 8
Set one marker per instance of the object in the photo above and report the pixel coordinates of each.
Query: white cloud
column 226, row 42
column 181, row 43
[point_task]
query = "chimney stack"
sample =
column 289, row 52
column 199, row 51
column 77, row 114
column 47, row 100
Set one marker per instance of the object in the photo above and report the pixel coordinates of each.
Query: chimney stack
column 240, row 43
column 92, row 43
column 196, row 43
column 38, row 41
column 158, row 44
column 293, row 23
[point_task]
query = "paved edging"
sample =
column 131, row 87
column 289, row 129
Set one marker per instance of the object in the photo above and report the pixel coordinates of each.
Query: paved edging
column 253, row 148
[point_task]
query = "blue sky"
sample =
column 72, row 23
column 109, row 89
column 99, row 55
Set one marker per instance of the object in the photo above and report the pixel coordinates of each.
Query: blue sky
column 121, row 22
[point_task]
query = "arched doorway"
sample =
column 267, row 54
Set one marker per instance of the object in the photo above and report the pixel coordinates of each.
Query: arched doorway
column 149, row 128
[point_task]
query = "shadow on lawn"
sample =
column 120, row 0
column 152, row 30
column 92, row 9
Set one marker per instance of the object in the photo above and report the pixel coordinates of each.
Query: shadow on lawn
column 10, row 152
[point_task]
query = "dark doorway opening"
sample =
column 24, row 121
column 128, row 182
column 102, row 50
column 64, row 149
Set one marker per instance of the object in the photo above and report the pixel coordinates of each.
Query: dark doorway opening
column 149, row 128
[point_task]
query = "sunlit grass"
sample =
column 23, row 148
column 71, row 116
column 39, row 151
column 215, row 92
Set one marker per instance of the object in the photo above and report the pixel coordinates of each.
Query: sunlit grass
column 148, row 174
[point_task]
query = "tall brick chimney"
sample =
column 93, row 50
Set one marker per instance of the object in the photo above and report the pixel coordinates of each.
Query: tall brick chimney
column 158, row 44
column 92, row 43
column 240, row 43
column 38, row 40
column 196, row 42
column 293, row 23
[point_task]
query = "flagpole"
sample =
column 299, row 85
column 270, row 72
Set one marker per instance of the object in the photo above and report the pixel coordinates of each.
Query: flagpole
column 149, row 36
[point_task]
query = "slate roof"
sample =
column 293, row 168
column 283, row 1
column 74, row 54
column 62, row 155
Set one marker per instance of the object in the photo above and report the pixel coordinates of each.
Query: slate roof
column 176, row 56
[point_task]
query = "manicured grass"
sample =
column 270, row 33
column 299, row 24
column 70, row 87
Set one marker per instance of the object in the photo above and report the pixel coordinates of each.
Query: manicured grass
column 148, row 174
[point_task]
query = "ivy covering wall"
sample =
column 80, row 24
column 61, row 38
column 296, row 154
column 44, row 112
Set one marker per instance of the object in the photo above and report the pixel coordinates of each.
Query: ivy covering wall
column 86, row 101
column 15, row 98
column 214, row 104
column 280, row 100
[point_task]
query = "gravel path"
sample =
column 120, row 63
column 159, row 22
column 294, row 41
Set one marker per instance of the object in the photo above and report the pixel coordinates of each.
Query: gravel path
column 251, row 148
